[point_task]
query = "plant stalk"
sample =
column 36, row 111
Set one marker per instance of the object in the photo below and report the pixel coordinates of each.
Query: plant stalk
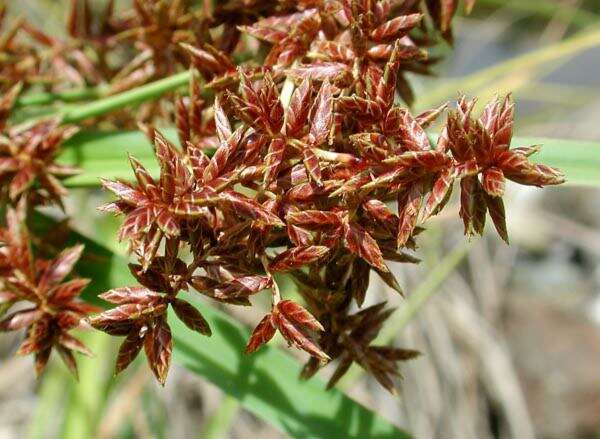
column 48, row 98
column 130, row 97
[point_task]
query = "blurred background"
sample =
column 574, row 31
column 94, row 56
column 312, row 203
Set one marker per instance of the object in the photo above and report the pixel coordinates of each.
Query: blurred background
column 510, row 336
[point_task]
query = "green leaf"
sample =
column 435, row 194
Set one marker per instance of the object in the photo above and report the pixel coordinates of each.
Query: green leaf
column 104, row 154
column 265, row 383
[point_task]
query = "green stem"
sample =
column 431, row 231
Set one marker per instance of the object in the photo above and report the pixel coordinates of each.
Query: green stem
column 47, row 98
column 423, row 293
column 130, row 97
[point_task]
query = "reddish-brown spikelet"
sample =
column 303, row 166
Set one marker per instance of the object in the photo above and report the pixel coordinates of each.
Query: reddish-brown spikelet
column 54, row 308
column 28, row 168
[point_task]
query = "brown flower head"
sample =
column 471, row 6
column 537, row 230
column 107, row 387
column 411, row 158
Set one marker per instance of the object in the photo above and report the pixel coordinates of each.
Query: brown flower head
column 141, row 316
column 63, row 61
column 96, row 31
column 483, row 162
column 27, row 157
column 365, row 33
column 28, row 165
column 290, row 35
column 293, row 322
column 53, row 306
column 19, row 61
column 157, row 28
column 349, row 339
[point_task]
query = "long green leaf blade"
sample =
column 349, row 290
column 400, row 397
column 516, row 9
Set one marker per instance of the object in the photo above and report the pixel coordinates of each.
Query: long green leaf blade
column 103, row 154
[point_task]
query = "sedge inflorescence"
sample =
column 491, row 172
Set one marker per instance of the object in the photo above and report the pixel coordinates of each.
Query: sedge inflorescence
column 292, row 170
column 298, row 156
